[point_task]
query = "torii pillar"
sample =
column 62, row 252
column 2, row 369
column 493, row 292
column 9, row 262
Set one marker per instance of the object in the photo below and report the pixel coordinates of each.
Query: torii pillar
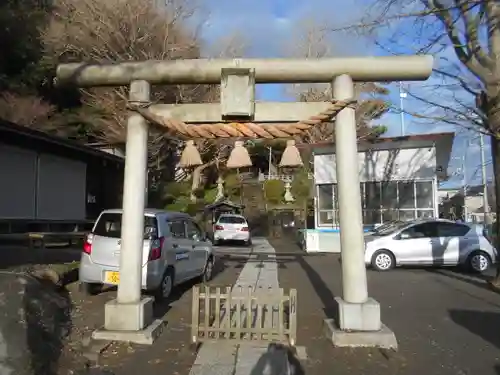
column 130, row 316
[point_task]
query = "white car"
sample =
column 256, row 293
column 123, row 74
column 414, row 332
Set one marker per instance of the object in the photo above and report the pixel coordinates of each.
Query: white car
column 175, row 250
column 432, row 242
column 231, row 227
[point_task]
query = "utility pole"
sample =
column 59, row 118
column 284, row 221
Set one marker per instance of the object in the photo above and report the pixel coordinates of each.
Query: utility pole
column 464, row 183
column 486, row 206
column 269, row 163
column 464, row 179
column 402, row 96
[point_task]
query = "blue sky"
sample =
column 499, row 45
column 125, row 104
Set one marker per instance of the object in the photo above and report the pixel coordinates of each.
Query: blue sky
column 270, row 27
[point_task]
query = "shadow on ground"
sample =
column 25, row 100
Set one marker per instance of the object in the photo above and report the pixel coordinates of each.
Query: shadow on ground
column 277, row 360
column 35, row 321
column 18, row 255
column 478, row 280
column 480, row 323
column 161, row 308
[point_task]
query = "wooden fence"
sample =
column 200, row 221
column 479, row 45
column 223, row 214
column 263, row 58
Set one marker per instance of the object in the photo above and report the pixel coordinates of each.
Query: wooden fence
column 244, row 314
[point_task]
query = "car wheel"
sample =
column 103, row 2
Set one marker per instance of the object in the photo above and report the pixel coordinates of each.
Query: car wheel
column 164, row 290
column 216, row 242
column 383, row 260
column 90, row 289
column 208, row 272
column 478, row 262
column 248, row 242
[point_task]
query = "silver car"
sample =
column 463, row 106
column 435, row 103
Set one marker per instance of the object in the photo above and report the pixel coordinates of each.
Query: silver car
column 174, row 250
column 429, row 242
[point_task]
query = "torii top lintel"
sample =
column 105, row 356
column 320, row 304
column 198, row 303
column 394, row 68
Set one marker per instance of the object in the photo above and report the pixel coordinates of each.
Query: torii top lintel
column 208, row 71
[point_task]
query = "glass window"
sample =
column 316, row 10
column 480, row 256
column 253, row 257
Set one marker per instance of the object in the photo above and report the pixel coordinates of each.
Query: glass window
column 389, row 228
column 371, row 217
column 452, row 229
column 362, row 193
column 325, row 197
column 177, row 228
column 193, row 231
column 329, row 218
column 406, row 215
column 424, row 230
column 336, row 196
column 424, row 194
column 406, row 194
column 389, row 215
column 226, row 219
column 389, row 194
column 425, row 214
column 110, row 225
column 372, row 195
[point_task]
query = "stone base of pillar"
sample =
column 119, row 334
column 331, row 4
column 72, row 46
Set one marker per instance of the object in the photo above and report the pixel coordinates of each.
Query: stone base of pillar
column 132, row 322
column 359, row 316
column 359, row 325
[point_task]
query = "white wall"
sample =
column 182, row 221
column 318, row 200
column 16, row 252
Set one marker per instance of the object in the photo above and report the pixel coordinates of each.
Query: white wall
column 382, row 165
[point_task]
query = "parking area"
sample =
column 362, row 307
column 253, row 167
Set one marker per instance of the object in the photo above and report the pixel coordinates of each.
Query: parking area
column 445, row 321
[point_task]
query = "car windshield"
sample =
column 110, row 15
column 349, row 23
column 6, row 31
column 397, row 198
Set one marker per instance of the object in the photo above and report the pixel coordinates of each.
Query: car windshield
column 110, row 225
column 389, row 228
column 232, row 220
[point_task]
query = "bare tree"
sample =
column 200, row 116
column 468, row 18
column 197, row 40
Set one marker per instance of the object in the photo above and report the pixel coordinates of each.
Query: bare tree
column 29, row 111
column 123, row 30
column 467, row 34
column 313, row 41
column 101, row 31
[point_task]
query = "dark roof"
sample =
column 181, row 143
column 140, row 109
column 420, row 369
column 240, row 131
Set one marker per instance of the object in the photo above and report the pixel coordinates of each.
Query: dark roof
column 431, row 137
column 223, row 203
column 472, row 190
column 9, row 127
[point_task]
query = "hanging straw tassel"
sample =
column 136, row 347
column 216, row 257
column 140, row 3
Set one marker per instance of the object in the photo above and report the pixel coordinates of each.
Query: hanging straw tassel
column 190, row 156
column 239, row 157
column 291, row 156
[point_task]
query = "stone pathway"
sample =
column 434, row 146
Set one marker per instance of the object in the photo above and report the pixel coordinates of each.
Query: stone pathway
column 221, row 358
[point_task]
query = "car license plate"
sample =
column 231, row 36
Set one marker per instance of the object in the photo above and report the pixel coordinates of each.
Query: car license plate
column 112, row 277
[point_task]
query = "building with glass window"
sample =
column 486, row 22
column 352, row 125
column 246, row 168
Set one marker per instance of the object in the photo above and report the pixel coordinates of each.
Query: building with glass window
column 398, row 179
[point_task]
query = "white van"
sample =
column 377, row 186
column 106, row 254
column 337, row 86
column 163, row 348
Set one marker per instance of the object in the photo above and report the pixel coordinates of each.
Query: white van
column 175, row 250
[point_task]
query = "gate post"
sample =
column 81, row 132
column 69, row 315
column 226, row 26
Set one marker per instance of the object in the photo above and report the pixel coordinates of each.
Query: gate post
column 128, row 312
column 354, row 286
column 357, row 312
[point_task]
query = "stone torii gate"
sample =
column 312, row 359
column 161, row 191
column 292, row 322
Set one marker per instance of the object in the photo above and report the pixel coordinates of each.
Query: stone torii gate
column 130, row 317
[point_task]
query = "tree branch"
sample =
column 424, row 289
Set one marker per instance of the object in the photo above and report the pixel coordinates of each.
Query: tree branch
column 445, row 16
column 472, row 24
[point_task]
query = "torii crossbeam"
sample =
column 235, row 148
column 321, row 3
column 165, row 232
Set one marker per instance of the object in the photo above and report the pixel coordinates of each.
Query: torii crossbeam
column 129, row 317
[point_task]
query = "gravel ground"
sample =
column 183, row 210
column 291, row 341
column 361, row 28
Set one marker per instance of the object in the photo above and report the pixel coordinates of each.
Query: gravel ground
column 445, row 321
column 66, row 317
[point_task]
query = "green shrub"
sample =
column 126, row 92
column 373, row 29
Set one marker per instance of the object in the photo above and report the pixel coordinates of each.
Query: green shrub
column 209, row 195
column 274, row 190
column 301, row 186
column 172, row 191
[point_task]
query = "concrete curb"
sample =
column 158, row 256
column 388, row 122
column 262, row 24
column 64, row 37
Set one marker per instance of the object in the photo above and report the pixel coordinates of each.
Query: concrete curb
column 146, row 336
column 384, row 338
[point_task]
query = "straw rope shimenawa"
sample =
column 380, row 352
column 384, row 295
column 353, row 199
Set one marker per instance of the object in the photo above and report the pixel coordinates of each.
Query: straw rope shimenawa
column 240, row 129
